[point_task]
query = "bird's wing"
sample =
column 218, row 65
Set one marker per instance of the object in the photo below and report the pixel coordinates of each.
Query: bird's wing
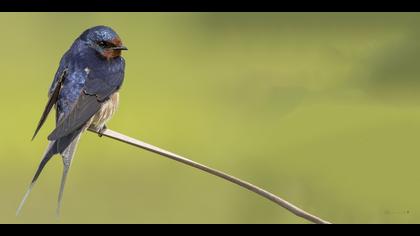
column 86, row 106
column 98, row 88
column 53, row 96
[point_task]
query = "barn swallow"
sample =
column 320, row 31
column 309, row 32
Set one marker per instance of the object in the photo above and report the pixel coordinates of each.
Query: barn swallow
column 85, row 95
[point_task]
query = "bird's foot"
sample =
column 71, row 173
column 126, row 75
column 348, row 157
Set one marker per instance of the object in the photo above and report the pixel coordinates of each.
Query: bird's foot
column 102, row 130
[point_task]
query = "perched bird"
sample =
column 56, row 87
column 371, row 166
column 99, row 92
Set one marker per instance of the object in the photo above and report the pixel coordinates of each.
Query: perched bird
column 85, row 95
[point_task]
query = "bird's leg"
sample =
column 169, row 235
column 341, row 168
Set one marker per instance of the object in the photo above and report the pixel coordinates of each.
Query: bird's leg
column 102, row 130
column 99, row 131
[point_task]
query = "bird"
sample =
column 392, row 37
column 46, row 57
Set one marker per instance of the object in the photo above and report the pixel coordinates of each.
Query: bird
column 85, row 94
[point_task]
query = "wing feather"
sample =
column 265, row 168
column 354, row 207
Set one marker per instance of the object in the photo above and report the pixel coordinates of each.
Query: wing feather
column 85, row 108
column 55, row 91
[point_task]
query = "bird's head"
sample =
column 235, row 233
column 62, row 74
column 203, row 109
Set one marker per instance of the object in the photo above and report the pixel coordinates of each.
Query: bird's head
column 103, row 40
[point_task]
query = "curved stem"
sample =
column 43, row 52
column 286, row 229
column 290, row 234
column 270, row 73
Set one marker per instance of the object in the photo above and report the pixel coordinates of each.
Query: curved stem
column 270, row 196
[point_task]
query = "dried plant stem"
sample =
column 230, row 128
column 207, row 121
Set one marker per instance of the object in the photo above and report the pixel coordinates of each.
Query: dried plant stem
column 283, row 203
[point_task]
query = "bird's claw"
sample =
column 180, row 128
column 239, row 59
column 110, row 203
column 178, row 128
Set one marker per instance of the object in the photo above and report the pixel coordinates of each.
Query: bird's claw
column 101, row 131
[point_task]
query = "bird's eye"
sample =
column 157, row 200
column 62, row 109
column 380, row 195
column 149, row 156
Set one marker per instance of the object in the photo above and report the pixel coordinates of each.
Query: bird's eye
column 104, row 44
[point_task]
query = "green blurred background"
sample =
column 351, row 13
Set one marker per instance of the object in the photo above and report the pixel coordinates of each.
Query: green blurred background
column 321, row 109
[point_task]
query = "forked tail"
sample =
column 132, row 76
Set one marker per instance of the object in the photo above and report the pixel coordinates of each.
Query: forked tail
column 65, row 146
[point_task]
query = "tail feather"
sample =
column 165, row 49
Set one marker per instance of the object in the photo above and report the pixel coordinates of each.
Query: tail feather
column 66, row 146
column 67, row 156
column 24, row 199
column 50, row 152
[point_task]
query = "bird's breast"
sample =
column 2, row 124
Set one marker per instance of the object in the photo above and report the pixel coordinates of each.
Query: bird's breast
column 106, row 112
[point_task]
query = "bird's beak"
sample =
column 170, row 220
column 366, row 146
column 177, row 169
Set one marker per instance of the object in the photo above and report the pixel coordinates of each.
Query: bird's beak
column 120, row 48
